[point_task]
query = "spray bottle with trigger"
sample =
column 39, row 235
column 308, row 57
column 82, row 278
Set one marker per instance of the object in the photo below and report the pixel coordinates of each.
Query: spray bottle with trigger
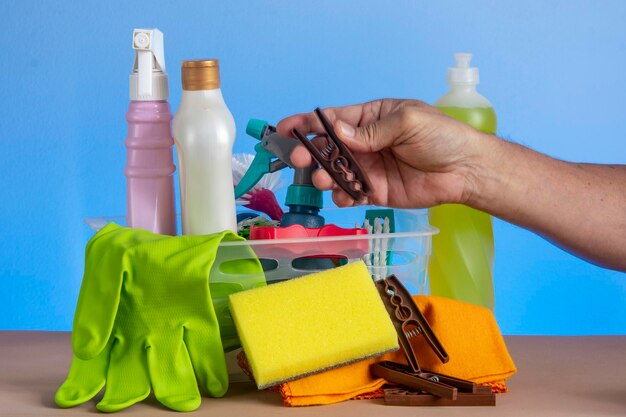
column 302, row 220
column 303, row 199
column 149, row 167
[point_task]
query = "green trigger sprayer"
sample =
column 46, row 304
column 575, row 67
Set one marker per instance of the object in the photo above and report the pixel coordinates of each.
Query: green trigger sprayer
column 273, row 154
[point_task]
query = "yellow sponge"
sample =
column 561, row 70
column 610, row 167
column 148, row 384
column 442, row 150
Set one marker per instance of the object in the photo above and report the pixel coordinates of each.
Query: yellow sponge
column 313, row 323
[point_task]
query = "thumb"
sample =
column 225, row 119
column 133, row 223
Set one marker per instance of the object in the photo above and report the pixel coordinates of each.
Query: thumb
column 372, row 137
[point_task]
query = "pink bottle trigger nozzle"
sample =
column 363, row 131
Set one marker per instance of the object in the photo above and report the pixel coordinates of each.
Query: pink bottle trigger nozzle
column 148, row 81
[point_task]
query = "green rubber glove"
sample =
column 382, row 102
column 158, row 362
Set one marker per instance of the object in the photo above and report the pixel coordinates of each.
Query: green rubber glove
column 145, row 320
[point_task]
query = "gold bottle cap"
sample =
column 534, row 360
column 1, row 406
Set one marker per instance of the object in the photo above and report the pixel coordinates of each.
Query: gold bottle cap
column 201, row 74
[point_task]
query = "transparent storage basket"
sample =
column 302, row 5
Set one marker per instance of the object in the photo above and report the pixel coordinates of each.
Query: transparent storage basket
column 404, row 253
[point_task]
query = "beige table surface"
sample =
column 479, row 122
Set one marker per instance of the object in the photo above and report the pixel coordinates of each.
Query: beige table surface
column 557, row 376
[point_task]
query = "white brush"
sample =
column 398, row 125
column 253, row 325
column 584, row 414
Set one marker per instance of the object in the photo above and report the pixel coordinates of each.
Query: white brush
column 378, row 256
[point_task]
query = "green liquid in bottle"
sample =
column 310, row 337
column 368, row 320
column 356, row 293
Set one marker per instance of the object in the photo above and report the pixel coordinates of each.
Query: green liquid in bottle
column 480, row 118
column 461, row 265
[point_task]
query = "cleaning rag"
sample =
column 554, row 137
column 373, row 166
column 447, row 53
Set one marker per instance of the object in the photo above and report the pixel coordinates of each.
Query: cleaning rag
column 468, row 332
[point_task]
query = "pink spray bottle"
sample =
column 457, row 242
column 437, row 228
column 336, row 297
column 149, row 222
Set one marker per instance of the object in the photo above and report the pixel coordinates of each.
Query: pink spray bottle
column 149, row 167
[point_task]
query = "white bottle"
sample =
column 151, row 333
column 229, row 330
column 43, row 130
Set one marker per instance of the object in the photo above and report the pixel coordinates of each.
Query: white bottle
column 204, row 134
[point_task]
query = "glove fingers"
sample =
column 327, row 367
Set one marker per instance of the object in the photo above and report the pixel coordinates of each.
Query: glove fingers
column 127, row 377
column 84, row 380
column 171, row 373
column 207, row 357
column 99, row 295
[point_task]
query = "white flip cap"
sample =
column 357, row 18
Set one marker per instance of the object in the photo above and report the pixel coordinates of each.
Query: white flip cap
column 462, row 73
column 148, row 81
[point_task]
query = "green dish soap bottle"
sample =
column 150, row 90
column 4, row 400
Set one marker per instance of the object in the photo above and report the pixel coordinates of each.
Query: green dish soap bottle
column 461, row 266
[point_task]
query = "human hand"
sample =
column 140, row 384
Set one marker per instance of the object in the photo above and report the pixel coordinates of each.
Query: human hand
column 145, row 321
column 414, row 155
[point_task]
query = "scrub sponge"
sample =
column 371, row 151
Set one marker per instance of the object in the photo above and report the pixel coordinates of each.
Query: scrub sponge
column 313, row 323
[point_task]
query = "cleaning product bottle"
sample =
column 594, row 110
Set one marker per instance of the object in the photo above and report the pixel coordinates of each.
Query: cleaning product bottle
column 303, row 199
column 204, row 133
column 149, row 167
column 461, row 266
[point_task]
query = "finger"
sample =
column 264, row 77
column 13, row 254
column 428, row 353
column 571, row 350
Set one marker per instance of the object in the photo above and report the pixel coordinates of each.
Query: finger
column 84, row 380
column 99, row 292
column 322, row 180
column 306, row 123
column 302, row 122
column 171, row 372
column 127, row 378
column 379, row 134
column 355, row 114
column 300, row 157
column 342, row 199
column 207, row 356
column 303, row 157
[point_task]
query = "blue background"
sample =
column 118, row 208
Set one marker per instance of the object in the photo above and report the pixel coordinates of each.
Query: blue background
column 554, row 70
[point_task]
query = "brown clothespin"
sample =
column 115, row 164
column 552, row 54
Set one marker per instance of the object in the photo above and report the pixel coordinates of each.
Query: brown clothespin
column 399, row 396
column 408, row 320
column 338, row 161
column 432, row 388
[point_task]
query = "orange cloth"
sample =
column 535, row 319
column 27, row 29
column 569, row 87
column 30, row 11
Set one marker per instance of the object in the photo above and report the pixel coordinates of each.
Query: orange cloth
column 469, row 333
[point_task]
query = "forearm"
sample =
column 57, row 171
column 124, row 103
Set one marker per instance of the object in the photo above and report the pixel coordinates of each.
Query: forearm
column 580, row 207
